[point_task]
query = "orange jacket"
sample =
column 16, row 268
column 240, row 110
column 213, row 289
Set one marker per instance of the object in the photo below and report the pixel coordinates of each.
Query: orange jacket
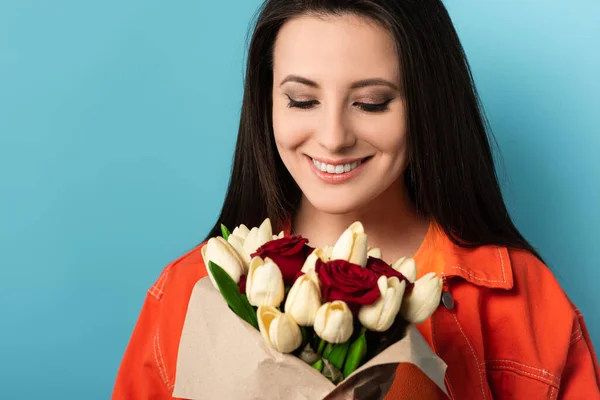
column 507, row 329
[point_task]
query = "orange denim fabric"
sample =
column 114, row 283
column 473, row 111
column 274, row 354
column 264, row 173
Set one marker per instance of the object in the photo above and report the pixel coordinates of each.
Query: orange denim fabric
column 513, row 333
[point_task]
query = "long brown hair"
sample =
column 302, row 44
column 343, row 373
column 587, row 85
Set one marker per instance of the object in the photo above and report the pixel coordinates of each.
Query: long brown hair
column 451, row 175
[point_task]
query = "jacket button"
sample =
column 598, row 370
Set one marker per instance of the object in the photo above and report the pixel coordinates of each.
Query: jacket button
column 448, row 300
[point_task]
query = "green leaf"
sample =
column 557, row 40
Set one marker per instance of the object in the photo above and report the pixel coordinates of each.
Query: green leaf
column 318, row 365
column 356, row 354
column 229, row 290
column 338, row 354
column 225, row 232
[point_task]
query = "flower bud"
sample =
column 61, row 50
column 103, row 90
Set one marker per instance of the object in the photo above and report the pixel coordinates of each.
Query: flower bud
column 264, row 283
column 407, row 267
column 220, row 252
column 380, row 315
column 423, row 299
column 304, row 299
column 311, row 260
column 279, row 330
column 237, row 242
column 375, row 252
column 241, row 231
column 352, row 245
column 258, row 236
column 333, row 322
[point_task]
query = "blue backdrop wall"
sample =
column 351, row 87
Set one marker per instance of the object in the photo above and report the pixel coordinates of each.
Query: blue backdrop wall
column 117, row 124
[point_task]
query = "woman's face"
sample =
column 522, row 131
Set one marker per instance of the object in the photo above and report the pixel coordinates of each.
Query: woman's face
column 339, row 116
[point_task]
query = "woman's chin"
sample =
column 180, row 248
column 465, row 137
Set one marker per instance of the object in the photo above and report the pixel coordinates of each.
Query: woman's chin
column 336, row 205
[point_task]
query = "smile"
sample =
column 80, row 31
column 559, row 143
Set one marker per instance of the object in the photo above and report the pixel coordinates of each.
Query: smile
column 336, row 169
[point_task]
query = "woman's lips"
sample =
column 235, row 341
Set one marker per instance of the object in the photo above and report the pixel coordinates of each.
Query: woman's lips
column 333, row 178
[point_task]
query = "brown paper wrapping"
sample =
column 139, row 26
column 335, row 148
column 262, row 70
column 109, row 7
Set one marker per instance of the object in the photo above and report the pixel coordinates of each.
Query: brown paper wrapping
column 223, row 357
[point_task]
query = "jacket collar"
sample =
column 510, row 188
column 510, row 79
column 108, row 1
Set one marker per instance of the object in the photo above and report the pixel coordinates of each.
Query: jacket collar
column 486, row 266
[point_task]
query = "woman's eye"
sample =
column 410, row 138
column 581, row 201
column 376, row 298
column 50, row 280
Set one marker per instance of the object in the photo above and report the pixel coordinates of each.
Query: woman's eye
column 369, row 107
column 301, row 104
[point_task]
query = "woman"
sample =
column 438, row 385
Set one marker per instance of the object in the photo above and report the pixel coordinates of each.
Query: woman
column 366, row 110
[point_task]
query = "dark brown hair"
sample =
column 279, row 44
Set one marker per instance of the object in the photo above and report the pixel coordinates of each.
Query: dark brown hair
column 451, row 174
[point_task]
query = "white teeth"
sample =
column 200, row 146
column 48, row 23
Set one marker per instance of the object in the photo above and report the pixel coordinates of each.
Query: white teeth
column 336, row 169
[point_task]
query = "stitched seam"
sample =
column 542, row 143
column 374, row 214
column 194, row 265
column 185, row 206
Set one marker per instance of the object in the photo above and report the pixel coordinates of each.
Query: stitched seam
column 543, row 371
column 162, row 371
column 478, row 278
column 446, row 378
column 576, row 338
column 169, row 385
column 520, row 371
column 551, row 394
column 502, row 264
column 158, row 289
column 474, row 355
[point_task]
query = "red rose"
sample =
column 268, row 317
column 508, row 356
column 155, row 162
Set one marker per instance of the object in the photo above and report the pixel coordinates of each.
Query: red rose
column 242, row 284
column 380, row 267
column 341, row 280
column 289, row 253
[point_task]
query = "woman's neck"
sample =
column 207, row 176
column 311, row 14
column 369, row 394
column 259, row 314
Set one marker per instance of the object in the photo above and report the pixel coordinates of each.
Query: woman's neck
column 391, row 223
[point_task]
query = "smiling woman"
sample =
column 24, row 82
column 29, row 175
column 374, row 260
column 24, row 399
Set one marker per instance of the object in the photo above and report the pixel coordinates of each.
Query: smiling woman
column 365, row 110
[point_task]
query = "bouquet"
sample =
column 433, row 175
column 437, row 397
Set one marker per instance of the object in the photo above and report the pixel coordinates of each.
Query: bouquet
column 334, row 310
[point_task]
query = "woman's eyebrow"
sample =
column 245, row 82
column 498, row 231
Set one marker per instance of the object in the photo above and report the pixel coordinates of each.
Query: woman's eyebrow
column 355, row 85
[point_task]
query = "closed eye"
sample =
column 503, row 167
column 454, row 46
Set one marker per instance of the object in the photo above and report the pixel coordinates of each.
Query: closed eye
column 367, row 107
column 370, row 107
column 305, row 105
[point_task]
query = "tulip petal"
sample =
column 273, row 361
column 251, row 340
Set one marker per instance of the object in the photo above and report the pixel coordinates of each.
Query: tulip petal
column 264, row 283
column 311, row 260
column 423, row 300
column 342, row 249
column 285, row 334
column 333, row 322
column 359, row 250
column 238, row 244
column 225, row 256
column 407, row 267
column 375, row 252
column 241, row 231
column 304, row 299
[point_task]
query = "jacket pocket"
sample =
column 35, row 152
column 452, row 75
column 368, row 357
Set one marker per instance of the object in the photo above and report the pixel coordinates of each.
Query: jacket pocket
column 513, row 380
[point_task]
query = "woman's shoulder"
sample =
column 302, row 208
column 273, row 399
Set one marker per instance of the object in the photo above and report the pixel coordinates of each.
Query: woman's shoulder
column 177, row 279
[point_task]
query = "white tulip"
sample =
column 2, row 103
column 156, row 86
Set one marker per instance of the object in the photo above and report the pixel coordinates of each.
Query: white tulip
column 333, row 322
column 423, row 299
column 279, row 330
column 311, row 260
column 304, row 299
column 375, row 252
column 407, row 267
column 237, row 242
column 220, row 252
column 258, row 236
column 241, row 231
column 352, row 245
column 264, row 283
column 280, row 236
column 380, row 315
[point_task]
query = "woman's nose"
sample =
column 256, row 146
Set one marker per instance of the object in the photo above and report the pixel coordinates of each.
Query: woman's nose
column 334, row 134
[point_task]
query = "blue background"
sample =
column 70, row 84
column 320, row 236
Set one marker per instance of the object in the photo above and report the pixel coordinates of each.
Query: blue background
column 117, row 125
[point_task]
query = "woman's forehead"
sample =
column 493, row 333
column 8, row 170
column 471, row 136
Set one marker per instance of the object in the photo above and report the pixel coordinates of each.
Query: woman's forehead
column 344, row 47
